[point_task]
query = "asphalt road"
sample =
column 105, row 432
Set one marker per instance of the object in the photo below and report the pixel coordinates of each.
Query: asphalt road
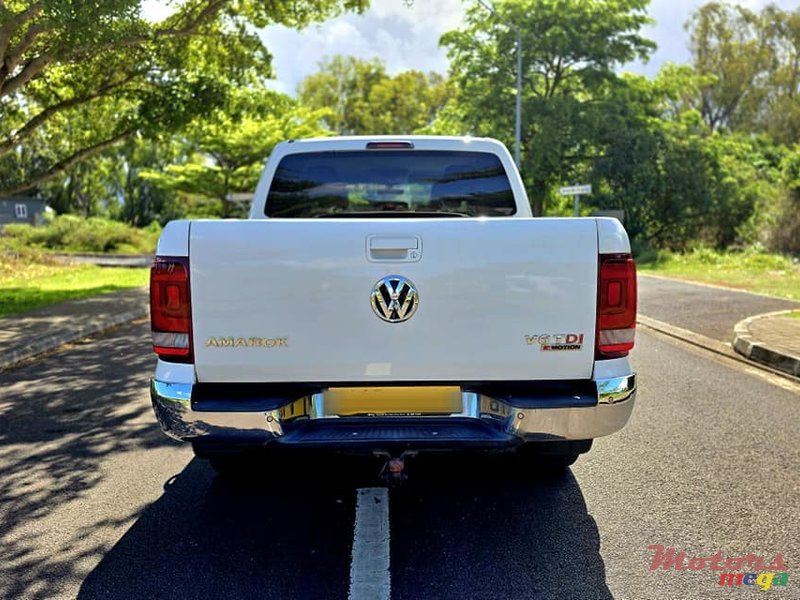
column 710, row 311
column 96, row 503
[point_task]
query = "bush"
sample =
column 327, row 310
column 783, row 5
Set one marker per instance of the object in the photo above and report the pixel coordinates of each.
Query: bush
column 76, row 234
column 785, row 233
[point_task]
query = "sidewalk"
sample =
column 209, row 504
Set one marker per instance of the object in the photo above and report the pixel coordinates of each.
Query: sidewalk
column 772, row 339
column 29, row 334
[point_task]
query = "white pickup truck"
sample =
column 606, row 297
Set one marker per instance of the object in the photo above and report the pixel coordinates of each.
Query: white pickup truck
column 393, row 295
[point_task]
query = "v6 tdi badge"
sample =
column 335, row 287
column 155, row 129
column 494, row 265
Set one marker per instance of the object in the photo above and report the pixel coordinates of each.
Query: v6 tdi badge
column 556, row 342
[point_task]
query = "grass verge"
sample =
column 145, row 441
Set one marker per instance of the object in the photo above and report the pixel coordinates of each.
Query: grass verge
column 749, row 270
column 32, row 279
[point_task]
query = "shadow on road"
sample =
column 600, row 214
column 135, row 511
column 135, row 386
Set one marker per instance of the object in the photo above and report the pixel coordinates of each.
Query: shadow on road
column 63, row 420
column 493, row 529
column 455, row 534
column 284, row 536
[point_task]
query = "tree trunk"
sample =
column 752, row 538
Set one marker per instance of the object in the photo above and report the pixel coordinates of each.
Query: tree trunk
column 538, row 193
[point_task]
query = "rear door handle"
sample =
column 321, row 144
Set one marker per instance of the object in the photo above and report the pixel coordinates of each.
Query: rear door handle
column 394, row 248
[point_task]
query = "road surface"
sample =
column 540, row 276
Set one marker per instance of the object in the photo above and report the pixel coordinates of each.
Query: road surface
column 709, row 311
column 96, row 503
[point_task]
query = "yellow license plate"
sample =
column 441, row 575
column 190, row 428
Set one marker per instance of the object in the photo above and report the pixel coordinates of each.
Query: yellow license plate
column 405, row 401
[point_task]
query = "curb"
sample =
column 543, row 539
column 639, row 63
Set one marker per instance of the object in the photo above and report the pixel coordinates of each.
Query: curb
column 721, row 349
column 696, row 339
column 758, row 352
column 46, row 344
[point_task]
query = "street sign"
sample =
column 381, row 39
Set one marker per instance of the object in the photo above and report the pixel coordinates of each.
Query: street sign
column 575, row 190
column 240, row 197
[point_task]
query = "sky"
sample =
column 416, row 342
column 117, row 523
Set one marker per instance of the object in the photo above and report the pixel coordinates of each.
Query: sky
column 405, row 35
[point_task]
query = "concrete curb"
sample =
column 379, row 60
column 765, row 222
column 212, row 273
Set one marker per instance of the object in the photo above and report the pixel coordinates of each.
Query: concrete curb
column 721, row 349
column 758, row 352
column 696, row 339
column 46, row 344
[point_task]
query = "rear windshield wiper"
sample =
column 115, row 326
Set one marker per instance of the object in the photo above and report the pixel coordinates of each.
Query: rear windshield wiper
column 398, row 214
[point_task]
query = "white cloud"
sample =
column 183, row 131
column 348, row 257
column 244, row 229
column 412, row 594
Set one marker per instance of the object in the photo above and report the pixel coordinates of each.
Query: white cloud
column 155, row 10
column 406, row 36
column 403, row 36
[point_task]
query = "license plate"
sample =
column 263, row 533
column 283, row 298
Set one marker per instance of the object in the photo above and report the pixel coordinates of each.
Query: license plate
column 393, row 401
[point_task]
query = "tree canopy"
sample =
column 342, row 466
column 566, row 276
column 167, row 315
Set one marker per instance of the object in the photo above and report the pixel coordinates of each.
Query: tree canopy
column 364, row 99
column 104, row 112
column 223, row 152
column 753, row 60
column 125, row 74
column 570, row 50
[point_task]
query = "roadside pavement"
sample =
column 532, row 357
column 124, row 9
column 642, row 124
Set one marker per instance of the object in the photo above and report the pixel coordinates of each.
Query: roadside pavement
column 696, row 311
column 28, row 334
column 772, row 339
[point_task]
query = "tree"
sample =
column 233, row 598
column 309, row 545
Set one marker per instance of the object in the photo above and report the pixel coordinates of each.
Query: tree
column 406, row 103
column 224, row 151
column 753, row 62
column 781, row 117
column 570, row 51
column 343, row 84
column 679, row 182
column 729, row 42
column 365, row 100
column 60, row 56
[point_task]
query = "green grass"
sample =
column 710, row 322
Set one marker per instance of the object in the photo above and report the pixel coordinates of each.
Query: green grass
column 30, row 279
column 750, row 270
column 48, row 284
column 795, row 314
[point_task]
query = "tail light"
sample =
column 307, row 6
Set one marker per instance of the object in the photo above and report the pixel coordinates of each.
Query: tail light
column 170, row 309
column 616, row 305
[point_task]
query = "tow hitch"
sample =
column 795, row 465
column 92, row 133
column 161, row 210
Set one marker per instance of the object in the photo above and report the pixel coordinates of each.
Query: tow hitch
column 393, row 471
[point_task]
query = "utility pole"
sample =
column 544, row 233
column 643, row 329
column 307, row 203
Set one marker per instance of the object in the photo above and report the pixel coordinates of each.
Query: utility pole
column 518, row 116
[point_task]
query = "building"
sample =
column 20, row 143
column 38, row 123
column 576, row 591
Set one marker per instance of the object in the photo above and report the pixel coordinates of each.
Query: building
column 21, row 210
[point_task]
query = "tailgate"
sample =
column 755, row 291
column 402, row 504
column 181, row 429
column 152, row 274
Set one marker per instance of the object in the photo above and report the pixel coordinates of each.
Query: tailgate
column 300, row 300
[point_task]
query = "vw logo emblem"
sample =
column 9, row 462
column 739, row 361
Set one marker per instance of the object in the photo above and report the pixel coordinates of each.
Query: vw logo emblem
column 394, row 299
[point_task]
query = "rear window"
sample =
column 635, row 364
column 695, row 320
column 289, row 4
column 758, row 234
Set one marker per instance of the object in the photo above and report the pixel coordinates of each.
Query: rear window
column 390, row 183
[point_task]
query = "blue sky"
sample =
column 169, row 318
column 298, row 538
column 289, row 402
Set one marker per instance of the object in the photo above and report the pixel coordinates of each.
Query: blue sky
column 407, row 36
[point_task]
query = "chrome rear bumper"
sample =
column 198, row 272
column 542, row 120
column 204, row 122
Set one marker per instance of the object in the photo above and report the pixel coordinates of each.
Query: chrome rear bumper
column 483, row 420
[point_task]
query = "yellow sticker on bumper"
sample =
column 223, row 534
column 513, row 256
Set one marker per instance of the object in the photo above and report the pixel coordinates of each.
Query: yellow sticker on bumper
column 406, row 400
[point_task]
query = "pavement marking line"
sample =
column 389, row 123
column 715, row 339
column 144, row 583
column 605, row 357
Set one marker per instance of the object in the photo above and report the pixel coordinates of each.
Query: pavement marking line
column 369, row 566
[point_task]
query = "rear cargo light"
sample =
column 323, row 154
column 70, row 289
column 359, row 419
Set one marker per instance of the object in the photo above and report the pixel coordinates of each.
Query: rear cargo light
column 390, row 145
column 616, row 305
column 170, row 309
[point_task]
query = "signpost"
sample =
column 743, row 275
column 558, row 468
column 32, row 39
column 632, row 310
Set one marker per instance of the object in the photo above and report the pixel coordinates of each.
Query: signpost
column 576, row 191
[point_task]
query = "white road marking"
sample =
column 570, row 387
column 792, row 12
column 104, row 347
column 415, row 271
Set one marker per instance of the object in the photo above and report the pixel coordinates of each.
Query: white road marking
column 369, row 566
